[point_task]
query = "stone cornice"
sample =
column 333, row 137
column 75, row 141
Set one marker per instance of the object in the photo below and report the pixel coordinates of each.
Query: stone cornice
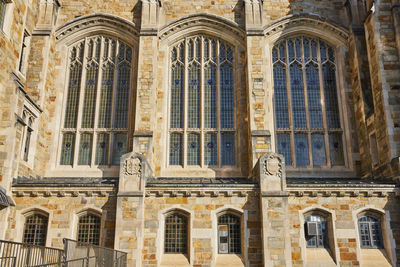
column 192, row 192
column 98, row 19
column 310, row 20
column 64, row 192
column 340, row 192
column 212, row 22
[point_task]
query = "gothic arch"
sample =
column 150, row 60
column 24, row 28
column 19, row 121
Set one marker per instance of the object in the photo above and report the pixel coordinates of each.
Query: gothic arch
column 202, row 23
column 98, row 23
column 307, row 24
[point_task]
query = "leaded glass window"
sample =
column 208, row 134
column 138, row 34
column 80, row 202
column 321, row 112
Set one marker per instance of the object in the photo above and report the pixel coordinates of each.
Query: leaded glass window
column 35, row 230
column 307, row 119
column 370, row 231
column 176, row 233
column 96, row 110
column 316, row 231
column 229, row 234
column 89, row 229
column 201, row 118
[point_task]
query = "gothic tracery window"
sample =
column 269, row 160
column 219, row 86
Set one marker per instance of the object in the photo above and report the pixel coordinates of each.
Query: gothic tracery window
column 96, row 111
column 307, row 120
column 202, row 125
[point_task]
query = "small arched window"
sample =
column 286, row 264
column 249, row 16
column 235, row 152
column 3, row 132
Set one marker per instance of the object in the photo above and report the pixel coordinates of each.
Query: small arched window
column 202, row 128
column 35, row 229
column 316, row 231
column 307, row 121
column 176, row 233
column 94, row 130
column 229, row 234
column 89, row 229
column 370, row 231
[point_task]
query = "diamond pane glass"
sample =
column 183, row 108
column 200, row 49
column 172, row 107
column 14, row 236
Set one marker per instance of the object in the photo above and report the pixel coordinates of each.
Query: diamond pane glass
column 193, row 149
column 177, row 97
column 210, row 96
column 176, row 234
column 210, row 149
column 104, row 120
column 336, row 149
column 226, row 83
column 71, row 109
column 122, row 97
column 67, row 149
column 35, row 230
column 102, row 149
column 175, row 149
column 301, row 146
column 281, row 102
column 228, row 148
column 89, row 101
column 194, row 96
column 318, row 149
column 314, row 97
column 85, row 149
column 284, row 147
column 119, row 147
column 298, row 103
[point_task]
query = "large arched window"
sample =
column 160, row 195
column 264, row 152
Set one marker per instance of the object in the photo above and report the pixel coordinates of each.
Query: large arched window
column 176, row 233
column 307, row 120
column 89, row 229
column 95, row 125
column 35, row 229
column 202, row 124
column 370, row 231
column 229, row 234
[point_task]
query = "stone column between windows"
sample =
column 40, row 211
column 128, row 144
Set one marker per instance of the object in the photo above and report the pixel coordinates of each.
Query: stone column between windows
column 259, row 99
column 270, row 173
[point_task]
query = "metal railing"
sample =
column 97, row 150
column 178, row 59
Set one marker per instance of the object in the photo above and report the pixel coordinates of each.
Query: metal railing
column 74, row 254
column 79, row 254
column 13, row 254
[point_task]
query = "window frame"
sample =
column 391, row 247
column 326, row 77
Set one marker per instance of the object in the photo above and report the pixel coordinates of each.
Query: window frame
column 24, row 52
column 188, row 227
column 99, row 217
column 343, row 121
column 95, row 131
column 324, row 235
column 240, row 222
column 46, row 227
column 370, row 234
column 185, row 131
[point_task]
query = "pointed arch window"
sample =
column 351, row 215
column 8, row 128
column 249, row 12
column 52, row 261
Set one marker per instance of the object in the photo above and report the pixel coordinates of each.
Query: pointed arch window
column 307, row 120
column 202, row 128
column 229, row 234
column 316, row 231
column 94, row 130
column 370, row 231
column 176, row 233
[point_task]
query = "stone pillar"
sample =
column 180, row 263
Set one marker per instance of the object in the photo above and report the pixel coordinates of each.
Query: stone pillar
column 270, row 173
column 129, row 221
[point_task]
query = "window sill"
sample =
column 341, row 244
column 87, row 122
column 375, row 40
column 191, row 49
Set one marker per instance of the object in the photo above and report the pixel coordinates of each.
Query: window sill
column 316, row 257
column 374, row 257
column 231, row 260
column 171, row 260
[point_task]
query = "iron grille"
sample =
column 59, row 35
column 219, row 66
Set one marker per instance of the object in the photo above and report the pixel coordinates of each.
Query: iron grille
column 176, row 234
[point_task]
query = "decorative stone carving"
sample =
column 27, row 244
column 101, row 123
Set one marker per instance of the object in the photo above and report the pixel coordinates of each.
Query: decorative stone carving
column 273, row 166
column 132, row 166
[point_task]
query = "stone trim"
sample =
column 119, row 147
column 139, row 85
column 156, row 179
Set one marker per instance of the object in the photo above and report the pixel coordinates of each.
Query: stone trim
column 309, row 20
column 52, row 192
column 104, row 21
column 335, row 192
column 212, row 22
column 199, row 193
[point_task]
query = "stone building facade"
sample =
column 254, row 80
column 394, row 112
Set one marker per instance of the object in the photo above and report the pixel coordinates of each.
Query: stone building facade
column 203, row 133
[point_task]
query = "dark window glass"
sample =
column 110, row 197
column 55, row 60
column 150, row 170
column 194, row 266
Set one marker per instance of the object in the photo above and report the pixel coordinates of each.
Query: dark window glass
column 89, row 229
column 35, row 230
column 176, row 233
column 370, row 232
column 229, row 234
column 316, row 231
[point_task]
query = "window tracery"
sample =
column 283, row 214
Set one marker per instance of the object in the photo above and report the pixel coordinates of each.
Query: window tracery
column 96, row 110
column 307, row 119
column 202, row 125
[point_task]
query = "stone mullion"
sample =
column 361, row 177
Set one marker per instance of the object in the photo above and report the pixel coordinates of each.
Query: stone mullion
column 305, row 90
column 185, row 103
column 114, row 92
column 202, row 85
column 322, row 92
column 80, row 105
column 98, row 93
column 289, row 99
column 218, row 98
